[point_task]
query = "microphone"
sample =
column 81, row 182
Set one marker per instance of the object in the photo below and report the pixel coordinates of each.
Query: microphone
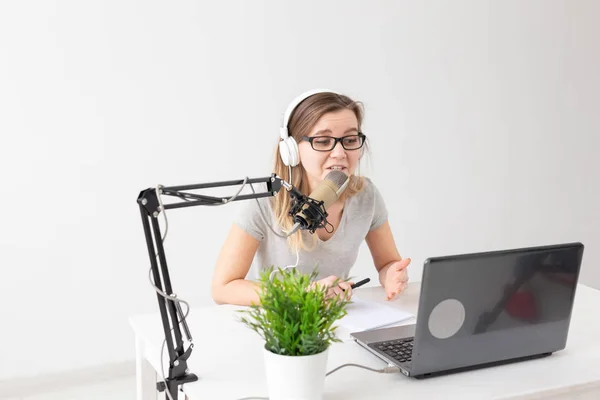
column 313, row 212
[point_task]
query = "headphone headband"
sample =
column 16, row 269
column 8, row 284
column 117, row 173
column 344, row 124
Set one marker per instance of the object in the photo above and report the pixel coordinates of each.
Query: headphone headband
column 285, row 118
column 288, row 148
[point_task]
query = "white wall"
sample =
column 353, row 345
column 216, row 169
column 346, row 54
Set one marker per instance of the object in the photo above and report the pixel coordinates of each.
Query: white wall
column 483, row 119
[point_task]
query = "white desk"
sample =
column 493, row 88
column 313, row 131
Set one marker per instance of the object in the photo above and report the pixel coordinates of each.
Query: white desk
column 228, row 360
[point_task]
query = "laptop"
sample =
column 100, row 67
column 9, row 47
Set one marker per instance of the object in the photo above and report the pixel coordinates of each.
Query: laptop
column 484, row 309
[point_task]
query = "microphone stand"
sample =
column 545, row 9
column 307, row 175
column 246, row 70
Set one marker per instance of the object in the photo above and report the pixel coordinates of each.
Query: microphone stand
column 171, row 314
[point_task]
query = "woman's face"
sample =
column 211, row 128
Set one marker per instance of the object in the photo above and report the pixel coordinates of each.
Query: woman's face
column 317, row 164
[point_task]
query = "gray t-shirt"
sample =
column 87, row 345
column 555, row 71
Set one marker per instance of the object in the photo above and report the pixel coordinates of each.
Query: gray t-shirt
column 362, row 212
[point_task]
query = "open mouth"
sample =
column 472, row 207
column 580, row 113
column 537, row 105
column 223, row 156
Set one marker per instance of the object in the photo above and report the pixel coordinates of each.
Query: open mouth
column 337, row 168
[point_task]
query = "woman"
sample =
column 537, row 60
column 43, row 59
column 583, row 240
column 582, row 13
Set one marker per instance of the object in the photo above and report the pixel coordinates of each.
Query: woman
column 320, row 132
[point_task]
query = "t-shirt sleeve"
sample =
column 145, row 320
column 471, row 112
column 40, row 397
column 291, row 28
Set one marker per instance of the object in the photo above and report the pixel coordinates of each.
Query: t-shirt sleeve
column 380, row 213
column 249, row 217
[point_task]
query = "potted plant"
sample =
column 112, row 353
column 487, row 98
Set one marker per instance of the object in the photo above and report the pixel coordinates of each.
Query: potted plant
column 296, row 319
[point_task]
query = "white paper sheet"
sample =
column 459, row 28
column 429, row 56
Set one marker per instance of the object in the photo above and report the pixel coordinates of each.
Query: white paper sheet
column 365, row 315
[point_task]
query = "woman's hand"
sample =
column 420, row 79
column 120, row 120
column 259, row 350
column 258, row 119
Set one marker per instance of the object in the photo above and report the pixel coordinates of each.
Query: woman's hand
column 340, row 288
column 396, row 278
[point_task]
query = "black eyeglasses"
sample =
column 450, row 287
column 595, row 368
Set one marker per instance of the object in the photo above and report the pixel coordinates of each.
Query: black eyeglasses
column 328, row 143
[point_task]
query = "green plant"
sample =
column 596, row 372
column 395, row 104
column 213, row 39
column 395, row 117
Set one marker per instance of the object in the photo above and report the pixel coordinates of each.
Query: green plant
column 294, row 317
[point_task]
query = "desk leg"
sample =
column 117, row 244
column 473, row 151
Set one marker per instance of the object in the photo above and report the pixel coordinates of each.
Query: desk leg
column 145, row 375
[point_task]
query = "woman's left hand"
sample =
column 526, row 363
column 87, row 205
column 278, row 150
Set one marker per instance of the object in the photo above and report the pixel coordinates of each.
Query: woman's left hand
column 396, row 278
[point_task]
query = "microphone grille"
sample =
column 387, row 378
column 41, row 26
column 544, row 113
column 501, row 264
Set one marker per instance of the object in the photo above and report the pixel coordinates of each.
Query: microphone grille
column 337, row 177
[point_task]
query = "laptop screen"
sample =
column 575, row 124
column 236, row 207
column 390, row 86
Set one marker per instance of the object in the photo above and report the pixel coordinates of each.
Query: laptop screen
column 486, row 307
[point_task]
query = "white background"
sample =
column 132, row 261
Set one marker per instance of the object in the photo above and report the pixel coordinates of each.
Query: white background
column 483, row 119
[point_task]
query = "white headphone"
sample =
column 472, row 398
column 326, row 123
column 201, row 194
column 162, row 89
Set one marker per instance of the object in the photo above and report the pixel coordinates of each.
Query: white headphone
column 288, row 148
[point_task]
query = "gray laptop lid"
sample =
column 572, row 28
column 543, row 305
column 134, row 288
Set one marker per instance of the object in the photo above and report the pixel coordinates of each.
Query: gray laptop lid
column 489, row 307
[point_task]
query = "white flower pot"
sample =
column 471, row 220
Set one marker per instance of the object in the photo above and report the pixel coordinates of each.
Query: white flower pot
column 295, row 377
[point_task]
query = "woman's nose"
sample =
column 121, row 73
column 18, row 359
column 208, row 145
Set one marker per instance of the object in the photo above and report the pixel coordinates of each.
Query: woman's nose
column 338, row 151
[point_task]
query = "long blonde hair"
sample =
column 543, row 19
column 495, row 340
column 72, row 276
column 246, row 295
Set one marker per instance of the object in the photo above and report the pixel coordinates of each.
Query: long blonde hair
column 301, row 122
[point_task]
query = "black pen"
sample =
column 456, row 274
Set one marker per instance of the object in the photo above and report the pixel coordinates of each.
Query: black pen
column 359, row 284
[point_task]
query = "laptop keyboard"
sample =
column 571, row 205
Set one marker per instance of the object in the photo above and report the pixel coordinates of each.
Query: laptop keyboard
column 400, row 350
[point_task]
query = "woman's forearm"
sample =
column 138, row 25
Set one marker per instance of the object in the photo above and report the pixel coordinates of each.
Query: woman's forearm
column 239, row 292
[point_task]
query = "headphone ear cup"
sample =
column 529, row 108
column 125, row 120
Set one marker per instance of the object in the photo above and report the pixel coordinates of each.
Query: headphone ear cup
column 288, row 149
